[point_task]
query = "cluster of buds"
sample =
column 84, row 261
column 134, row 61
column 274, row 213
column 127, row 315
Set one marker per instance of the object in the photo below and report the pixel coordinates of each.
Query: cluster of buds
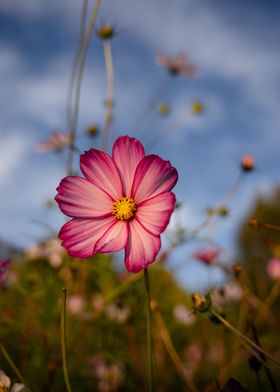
column 221, row 211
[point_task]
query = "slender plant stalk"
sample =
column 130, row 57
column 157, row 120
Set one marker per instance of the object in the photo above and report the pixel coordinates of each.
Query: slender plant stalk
column 63, row 342
column 165, row 336
column 110, row 93
column 149, row 331
column 248, row 341
column 76, row 97
column 271, row 226
column 13, row 366
column 76, row 62
column 170, row 129
column 154, row 99
column 269, row 300
column 266, row 369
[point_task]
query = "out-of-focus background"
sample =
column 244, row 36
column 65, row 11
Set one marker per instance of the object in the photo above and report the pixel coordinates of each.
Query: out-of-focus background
column 234, row 46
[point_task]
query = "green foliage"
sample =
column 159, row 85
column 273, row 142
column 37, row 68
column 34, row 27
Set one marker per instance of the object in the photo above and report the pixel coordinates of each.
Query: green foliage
column 106, row 328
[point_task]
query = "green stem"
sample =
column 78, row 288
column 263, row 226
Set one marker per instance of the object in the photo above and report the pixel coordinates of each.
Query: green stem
column 110, row 95
column 258, row 349
column 149, row 331
column 63, row 342
column 76, row 95
column 13, row 366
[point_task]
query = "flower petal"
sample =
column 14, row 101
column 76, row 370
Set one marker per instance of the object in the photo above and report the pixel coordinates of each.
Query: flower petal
column 114, row 239
column 79, row 198
column 142, row 247
column 79, row 236
column 100, row 169
column 127, row 153
column 154, row 214
column 152, row 177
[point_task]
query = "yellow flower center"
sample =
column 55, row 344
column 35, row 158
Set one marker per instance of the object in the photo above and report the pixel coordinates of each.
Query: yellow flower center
column 124, row 208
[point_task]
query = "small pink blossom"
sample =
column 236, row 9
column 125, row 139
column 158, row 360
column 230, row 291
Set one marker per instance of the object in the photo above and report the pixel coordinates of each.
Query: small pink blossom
column 75, row 303
column 4, row 266
column 51, row 250
column 56, row 142
column 273, row 268
column 207, row 256
column 124, row 202
column 176, row 65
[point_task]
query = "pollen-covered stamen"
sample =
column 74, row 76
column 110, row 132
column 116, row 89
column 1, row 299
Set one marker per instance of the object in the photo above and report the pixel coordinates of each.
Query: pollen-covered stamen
column 124, row 208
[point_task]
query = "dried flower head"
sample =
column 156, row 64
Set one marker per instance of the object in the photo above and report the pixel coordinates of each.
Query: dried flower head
column 176, row 65
column 56, row 142
column 207, row 256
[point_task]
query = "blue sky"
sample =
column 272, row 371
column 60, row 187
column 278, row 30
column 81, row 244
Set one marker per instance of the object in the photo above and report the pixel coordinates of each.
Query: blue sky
column 235, row 46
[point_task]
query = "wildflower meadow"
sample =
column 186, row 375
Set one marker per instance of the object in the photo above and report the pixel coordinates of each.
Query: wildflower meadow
column 140, row 238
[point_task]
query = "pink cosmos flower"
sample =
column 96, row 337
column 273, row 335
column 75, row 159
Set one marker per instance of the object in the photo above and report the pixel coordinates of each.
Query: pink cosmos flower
column 4, row 266
column 176, row 65
column 273, row 268
column 207, row 256
column 124, row 202
column 56, row 142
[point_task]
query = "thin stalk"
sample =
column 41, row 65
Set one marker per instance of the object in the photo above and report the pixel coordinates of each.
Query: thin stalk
column 13, row 366
column 271, row 226
column 248, row 341
column 110, row 92
column 76, row 97
column 269, row 300
column 76, row 62
column 149, row 330
column 170, row 129
column 154, row 99
column 64, row 342
column 266, row 369
column 165, row 336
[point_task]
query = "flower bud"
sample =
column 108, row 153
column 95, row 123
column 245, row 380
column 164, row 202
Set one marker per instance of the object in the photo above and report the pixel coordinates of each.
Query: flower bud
column 247, row 163
column 201, row 303
column 197, row 107
column 106, row 32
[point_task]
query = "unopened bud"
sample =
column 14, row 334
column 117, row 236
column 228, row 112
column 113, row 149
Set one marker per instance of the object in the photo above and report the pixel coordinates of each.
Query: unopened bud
column 237, row 270
column 106, row 32
column 201, row 303
column 197, row 107
column 247, row 163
